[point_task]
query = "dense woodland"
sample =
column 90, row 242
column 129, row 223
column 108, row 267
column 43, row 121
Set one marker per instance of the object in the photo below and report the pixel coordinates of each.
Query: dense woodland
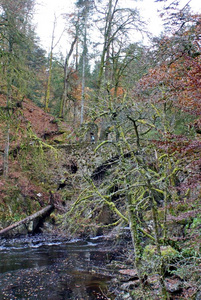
column 142, row 105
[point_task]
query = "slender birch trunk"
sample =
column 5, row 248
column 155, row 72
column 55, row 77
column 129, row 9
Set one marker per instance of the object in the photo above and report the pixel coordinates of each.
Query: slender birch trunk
column 83, row 74
column 66, row 69
column 47, row 98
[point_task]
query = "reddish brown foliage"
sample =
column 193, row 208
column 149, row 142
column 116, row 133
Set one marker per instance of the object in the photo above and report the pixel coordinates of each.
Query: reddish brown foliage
column 177, row 77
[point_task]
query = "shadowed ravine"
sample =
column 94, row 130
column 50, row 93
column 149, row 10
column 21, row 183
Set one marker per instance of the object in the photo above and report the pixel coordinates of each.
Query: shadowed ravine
column 54, row 268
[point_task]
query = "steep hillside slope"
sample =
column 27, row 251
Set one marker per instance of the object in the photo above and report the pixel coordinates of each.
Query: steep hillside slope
column 26, row 135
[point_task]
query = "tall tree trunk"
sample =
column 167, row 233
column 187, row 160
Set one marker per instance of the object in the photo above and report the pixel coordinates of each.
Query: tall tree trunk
column 133, row 224
column 66, row 66
column 104, row 64
column 64, row 98
column 47, row 98
column 161, row 268
column 77, row 49
column 6, row 152
column 83, row 74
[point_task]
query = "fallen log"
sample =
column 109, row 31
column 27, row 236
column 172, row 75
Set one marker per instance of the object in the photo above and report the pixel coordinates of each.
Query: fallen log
column 28, row 225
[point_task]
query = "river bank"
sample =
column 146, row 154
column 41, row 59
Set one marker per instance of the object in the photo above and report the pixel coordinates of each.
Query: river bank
column 47, row 266
column 52, row 267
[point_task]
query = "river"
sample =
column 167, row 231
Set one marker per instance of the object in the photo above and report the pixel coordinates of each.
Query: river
column 53, row 268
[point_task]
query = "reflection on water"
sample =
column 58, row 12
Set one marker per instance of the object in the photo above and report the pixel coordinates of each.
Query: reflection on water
column 53, row 269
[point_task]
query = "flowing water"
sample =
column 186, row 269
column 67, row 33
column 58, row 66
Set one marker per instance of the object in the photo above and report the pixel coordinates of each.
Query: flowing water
column 52, row 268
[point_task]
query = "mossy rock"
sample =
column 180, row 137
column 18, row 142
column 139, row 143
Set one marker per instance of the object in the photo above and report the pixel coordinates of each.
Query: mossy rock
column 168, row 253
column 60, row 139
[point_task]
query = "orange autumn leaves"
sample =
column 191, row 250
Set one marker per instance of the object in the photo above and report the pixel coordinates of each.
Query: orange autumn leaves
column 179, row 82
column 177, row 78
